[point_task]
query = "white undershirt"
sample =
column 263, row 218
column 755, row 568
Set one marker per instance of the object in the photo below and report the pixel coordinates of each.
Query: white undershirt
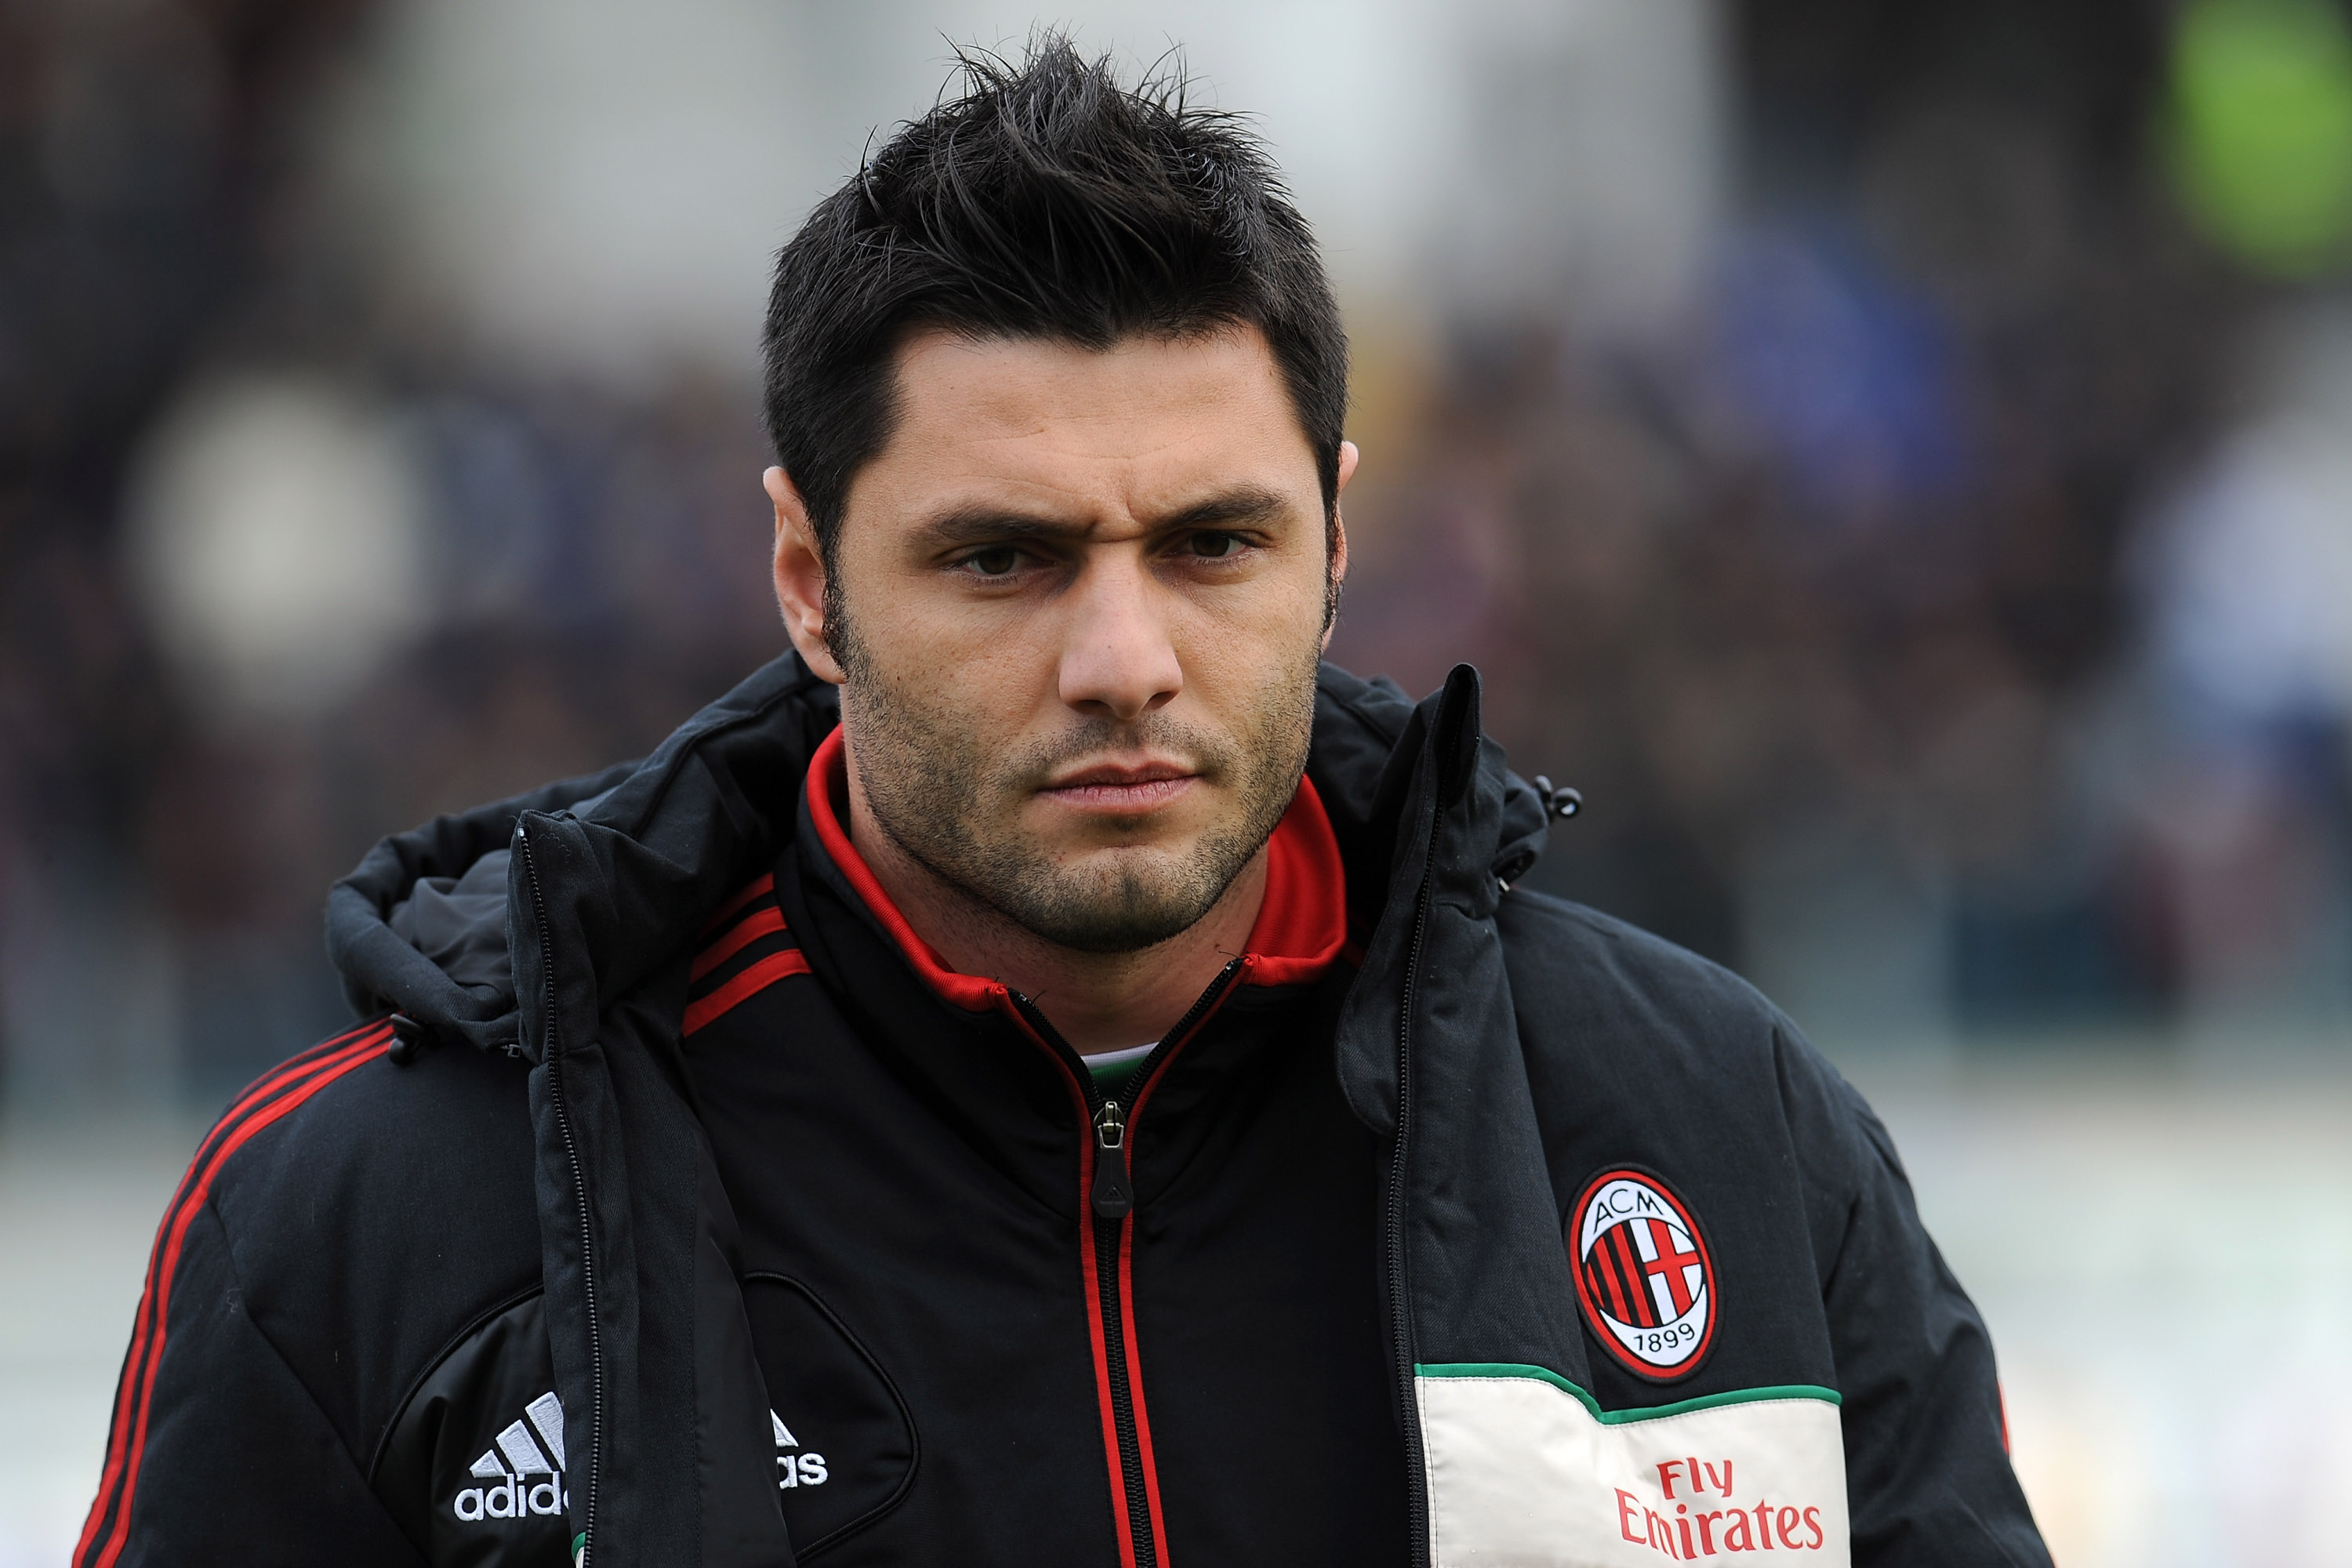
column 1126, row 1056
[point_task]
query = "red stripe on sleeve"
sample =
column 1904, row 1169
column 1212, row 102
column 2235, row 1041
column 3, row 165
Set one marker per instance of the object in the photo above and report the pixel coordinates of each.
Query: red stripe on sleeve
column 759, row 922
column 123, row 1459
column 776, row 966
column 262, row 1089
column 725, row 912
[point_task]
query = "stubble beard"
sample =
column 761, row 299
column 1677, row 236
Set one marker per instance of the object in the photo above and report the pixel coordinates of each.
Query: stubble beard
column 934, row 786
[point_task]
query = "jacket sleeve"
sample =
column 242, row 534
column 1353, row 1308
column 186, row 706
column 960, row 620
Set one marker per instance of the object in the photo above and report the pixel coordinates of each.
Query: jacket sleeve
column 217, row 1452
column 1928, row 1473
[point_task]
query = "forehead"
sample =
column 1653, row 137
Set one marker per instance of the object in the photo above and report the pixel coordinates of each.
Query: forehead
column 1039, row 422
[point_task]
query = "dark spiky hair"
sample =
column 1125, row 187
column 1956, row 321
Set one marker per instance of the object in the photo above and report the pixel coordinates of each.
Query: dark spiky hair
column 1046, row 201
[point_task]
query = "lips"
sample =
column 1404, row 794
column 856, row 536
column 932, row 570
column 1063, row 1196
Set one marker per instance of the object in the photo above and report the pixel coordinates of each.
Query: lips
column 1111, row 787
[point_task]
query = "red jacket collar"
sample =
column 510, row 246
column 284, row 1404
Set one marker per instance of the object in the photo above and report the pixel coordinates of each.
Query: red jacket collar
column 1301, row 930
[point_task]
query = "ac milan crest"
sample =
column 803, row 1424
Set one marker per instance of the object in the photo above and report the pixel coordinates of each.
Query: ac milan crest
column 1643, row 1275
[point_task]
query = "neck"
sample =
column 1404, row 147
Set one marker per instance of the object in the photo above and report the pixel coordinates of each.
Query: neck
column 1096, row 1000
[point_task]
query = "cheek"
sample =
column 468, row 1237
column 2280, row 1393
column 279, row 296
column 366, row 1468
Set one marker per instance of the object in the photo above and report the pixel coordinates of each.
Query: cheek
column 1267, row 625
column 1254, row 665
column 983, row 675
column 922, row 629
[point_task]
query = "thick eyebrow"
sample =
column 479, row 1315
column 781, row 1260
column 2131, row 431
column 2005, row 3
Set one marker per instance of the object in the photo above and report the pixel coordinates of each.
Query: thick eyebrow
column 990, row 525
column 1248, row 504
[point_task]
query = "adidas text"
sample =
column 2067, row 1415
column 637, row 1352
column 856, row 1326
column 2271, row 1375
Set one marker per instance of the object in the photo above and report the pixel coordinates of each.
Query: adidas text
column 795, row 1470
column 523, row 1474
column 510, row 1499
column 799, row 1471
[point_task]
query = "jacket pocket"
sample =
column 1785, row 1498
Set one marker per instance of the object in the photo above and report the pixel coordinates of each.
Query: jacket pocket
column 473, row 1467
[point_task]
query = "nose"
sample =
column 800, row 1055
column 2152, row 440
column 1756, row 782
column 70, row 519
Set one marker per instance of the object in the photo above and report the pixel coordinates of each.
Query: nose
column 1118, row 658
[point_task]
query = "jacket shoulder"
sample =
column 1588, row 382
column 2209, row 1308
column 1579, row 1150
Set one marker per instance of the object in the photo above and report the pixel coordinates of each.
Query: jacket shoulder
column 1567, row 959
column 370, row 1210
column 1627, row 1024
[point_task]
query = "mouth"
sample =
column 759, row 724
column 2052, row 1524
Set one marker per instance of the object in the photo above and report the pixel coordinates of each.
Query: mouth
column 1121, row 788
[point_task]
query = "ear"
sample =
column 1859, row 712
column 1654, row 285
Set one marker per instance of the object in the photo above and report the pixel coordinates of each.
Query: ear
column 800, row 577
column 1338, row 563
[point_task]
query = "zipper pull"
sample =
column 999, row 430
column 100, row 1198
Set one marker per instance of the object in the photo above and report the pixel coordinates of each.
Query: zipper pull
column 1112, row 1196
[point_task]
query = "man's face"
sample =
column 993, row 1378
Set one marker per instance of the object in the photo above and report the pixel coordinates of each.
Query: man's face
column 1079, row 601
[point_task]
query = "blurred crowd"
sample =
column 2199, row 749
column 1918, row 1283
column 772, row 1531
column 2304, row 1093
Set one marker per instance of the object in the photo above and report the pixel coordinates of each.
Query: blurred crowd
column 1948, row 616
column 1946, row 610
column 501, row 582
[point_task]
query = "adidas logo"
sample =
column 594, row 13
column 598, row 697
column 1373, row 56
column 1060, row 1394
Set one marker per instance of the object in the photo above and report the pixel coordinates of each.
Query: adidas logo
column 523, row 1478
column 795, row 1469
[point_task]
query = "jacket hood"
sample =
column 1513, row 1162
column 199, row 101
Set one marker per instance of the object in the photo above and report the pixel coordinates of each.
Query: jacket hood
column 423, row 926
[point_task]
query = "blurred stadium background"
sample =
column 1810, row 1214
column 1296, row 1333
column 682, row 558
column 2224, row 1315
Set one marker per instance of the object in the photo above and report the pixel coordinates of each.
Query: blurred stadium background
column 1895, row 460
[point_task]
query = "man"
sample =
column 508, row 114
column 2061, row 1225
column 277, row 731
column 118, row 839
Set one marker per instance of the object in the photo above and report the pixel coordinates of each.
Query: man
column 1046, row 1074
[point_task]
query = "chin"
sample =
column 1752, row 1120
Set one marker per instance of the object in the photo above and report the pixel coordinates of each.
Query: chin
column 1109, row 865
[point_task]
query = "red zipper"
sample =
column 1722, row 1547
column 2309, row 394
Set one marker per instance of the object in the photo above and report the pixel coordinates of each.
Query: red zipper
column 1106, row 1226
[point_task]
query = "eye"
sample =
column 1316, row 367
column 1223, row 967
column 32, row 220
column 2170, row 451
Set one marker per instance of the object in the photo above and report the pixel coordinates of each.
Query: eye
column 995, row 561
column 1212, row 546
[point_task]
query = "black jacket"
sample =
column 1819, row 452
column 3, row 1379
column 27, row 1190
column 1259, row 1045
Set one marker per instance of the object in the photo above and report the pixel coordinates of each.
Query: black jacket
column 675, row 1211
